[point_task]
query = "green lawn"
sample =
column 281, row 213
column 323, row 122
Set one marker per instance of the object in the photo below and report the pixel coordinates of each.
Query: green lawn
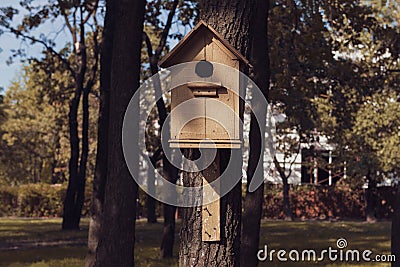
column 41, row 243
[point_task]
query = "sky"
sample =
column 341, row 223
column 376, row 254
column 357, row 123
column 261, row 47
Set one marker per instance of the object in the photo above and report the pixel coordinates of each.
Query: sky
column 52, row 30
column 8, row 73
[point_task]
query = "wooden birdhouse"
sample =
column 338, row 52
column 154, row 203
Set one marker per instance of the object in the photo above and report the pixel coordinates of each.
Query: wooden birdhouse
column 208, row 90
column 215, row 113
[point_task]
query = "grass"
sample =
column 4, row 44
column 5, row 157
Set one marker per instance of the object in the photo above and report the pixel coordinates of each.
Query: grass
column 27, row 234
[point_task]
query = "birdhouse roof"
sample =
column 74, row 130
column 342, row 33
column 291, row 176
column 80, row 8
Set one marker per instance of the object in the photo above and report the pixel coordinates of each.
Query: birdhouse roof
column 165, row 61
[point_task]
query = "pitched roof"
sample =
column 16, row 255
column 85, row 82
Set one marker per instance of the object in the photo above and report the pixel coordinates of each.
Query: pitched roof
column 164, row 61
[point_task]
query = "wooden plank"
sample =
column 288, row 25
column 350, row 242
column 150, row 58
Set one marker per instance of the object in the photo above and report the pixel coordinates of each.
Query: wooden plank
column 180, row 127
column 211, row 211
column 234, row 144
column 220, row 117
column 189, row 40
column 206, row 92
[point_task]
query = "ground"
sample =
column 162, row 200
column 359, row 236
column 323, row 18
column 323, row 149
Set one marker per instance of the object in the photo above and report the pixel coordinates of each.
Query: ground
column 41, row 243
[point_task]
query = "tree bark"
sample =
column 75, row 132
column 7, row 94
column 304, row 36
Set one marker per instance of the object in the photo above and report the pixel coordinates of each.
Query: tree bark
column 77, row 166
column 80, row 195
column 231, row 18
column 69, row 221
column 194, row 252
column 116, row 244
column 100, row 175
column 396, row 230
column 253, row 201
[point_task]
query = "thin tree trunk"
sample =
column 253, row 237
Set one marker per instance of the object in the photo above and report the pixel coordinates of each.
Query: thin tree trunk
column 100, row 175
column 80, row 196
column 116, row 244
column 286, row 200
column 370, row 200
column 287, row 211
column 170, row 171
column 69, row 221
column 231, row 18
column 150, row 201
column 396, row 230
column 253, row 201
column 77, row 165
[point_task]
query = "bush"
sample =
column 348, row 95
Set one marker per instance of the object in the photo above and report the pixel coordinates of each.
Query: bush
column 326, row 202
column 36, row 200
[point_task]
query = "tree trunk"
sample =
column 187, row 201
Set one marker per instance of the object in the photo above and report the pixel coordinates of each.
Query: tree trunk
column 77, row 165
column 150, row 201
column 231, row 18
column 287, row 211
column 286, row 200
column 194, row 252
column 370, row 200
column 253, row 201
column 167, row 243
column 170, row 172
column 116, row 244
column 69, row 220
column 80, row 195
column 100, row 175
column 396, row 230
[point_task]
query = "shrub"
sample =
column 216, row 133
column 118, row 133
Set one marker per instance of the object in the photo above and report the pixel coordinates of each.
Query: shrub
column 326, row 202
column 36, row 200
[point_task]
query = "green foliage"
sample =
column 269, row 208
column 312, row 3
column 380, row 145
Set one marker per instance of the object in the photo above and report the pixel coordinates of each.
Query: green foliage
column 28, row 135
column 327, row 59
column 377, row 131
column 36, row 200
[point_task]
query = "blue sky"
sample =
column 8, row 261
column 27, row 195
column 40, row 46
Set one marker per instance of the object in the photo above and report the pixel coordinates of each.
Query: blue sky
column 8, row 42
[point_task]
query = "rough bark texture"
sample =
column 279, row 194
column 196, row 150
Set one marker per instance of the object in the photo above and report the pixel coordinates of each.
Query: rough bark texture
column 231, row 18
column 100, row 175
column 194, row 252
column 116, row 245
column 253, row 201
column 396, row 230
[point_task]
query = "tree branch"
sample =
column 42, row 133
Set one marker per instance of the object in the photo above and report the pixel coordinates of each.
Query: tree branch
column 164, row 35
column 48, row 47
column 148, row 45
column 96, row 52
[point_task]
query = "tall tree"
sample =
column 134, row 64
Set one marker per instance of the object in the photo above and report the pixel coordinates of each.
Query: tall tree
column 32, row 134
column 170, row 171
column 253, row 201
column 100, row 175
column 79, row 17
column 116, row 244
column 232, row 19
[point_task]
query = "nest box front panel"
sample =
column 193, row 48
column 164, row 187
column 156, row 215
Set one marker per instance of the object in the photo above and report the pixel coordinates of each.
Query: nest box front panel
column 216, row 109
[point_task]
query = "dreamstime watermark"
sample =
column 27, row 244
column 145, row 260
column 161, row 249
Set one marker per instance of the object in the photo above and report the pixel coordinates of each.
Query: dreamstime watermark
column 134, row 131
column 331, row 254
